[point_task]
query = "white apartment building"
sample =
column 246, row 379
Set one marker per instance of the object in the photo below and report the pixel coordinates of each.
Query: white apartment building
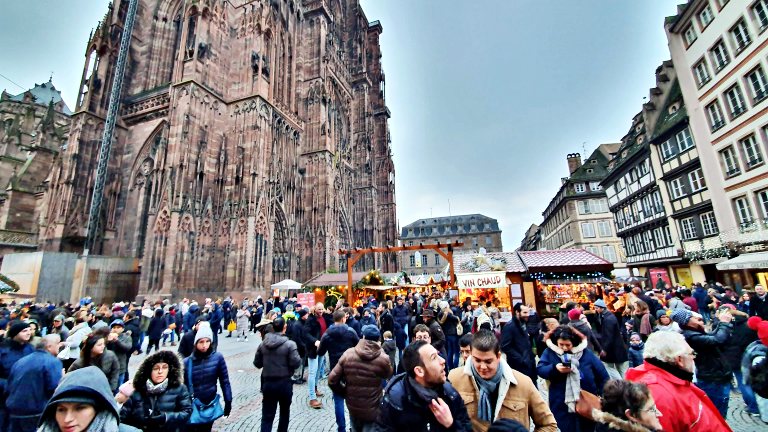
column 719, row 52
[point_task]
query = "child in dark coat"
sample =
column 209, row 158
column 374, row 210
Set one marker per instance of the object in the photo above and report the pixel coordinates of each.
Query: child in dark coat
column 635, row 350
column 390, row 348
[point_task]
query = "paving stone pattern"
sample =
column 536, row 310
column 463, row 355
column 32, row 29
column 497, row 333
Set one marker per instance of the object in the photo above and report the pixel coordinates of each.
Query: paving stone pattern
column 246, row 408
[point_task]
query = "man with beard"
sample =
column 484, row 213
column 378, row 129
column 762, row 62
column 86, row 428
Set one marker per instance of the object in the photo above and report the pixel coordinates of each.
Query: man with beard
column 667, row 370
column 495, row 391
column 713, row 374
column 421, row 399
column 516, row 345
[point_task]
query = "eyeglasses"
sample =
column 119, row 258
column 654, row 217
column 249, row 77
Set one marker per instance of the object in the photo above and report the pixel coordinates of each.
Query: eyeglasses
column 159, row 368
column 652, row 410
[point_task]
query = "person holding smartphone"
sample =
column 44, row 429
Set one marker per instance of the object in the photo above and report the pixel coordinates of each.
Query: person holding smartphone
column 570, row 367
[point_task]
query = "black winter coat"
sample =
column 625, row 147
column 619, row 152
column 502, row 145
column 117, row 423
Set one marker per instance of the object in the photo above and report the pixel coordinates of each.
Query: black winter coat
column 437, row 336
column 337, row 339
column 404, row 409
column 133, row 327
column 386, row 322
column 516, row 345
column 156, row 327
column 711, row 364
column 311, row 335
column 611, row 339
column 278, row 356
column 740, row 339
column 449, row 325
column 175, row 403
column 400, row 314
column 295, row 332
column 206, row 372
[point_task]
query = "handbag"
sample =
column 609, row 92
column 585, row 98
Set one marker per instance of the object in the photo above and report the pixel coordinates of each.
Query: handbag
column 231, row 326
column 586, row 403
column 202, row 413
column 459, row 329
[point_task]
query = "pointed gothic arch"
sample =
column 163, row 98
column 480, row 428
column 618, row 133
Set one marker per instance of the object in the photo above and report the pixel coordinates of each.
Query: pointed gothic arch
column 281, row 247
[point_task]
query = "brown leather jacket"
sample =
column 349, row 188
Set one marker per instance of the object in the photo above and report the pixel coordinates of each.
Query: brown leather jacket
column 362, row 368
column 518, row 399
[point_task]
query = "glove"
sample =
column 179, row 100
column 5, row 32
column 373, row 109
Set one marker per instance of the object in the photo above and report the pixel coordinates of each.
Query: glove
column 227, row 408
column 157, row 419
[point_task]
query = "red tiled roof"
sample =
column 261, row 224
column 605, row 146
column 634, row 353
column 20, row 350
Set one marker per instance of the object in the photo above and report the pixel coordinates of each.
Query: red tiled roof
column 560, row 258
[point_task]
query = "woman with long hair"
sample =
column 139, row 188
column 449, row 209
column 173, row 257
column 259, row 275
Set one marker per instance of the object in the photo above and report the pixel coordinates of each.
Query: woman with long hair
column 204, row 368
column 570, row 367
column 77, row 334
column 94, row 352
column 160, row 401
column 82, row 402
column 627, row 407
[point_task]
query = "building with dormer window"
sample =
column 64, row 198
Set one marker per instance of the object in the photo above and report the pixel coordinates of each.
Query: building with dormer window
column 578, row 216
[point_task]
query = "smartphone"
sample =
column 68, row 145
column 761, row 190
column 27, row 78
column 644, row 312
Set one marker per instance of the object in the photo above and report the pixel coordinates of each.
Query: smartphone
column 566, row 360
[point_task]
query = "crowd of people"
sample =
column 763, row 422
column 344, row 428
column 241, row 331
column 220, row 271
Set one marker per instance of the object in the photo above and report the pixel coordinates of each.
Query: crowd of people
column 660, row 360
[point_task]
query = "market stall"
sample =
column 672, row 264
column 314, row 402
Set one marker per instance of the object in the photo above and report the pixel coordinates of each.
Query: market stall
column 482, row 287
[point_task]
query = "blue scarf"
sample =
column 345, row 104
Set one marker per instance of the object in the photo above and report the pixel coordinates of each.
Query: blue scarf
column 487, row 387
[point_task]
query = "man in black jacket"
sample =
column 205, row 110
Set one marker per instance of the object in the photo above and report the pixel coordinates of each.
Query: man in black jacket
column 435, row 331
column 713, row 374
column 421, row 399
column 338, row 338
column 758, row 303
column 516, row 345
column 614, row 353
column 279, row 357
column 400, row 314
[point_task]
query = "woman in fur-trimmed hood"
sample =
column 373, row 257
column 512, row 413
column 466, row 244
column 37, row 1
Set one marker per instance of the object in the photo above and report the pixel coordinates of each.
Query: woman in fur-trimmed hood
column 627, row 407
column 161, row 401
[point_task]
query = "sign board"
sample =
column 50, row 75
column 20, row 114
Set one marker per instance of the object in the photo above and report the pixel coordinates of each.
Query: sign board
column 481, row 280
column 306, row 299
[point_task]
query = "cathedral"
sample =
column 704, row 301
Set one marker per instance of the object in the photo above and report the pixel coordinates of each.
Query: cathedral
column 252, row 144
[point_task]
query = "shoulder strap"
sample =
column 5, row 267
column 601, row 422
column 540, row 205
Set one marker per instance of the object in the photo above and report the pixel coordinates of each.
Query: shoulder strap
column 189, row 376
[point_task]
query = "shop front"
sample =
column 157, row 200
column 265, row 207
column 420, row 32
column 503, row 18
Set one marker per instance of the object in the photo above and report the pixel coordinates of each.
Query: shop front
column 746, row 269
column 483, row 287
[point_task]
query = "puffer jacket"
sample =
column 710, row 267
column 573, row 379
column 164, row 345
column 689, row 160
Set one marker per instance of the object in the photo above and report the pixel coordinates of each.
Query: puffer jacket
column 278, row 356
column 337, row 339
column 190, row 317
column 157, row 325
column 206, row 371
column 753, row 355
column 174, row 402
column 11, row 352
column 362, row 368
column 711, row 364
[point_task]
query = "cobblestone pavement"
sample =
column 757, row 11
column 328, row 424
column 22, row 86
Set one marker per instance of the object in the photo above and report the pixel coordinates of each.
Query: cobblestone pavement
column 246, row 410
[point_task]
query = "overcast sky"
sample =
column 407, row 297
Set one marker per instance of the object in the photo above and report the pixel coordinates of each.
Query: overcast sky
column 487, row 96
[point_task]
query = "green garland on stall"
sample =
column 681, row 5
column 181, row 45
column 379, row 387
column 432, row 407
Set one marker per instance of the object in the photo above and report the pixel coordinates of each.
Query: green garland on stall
column 374, row 277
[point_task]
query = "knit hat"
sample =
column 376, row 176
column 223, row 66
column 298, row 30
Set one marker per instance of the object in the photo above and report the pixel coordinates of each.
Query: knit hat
column 371, row 332
column 482, row 319
column 574, row 314
column 117, row 322
column 204, row 332
column 661, row 312
column 600, row 303
column 16, row 328
column 681, row 316
column 59, row 318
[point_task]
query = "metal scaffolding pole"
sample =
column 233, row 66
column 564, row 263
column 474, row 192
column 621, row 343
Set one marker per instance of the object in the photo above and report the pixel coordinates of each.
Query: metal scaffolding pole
column 109, row 129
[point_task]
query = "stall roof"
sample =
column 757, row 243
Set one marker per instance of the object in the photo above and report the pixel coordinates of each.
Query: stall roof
column 756, row 260
column 529, row 261
column 468, row 262
column 333, row 279
column 562, row 258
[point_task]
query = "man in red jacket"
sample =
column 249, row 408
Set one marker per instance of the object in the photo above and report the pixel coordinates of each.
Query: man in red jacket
column 667, row 370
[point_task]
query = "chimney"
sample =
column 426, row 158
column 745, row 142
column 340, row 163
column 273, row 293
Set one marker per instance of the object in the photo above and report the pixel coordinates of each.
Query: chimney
column 574, row 162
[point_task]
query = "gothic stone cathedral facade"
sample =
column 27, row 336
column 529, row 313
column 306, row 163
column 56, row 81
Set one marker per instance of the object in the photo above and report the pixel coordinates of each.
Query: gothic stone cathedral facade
column 252, row 144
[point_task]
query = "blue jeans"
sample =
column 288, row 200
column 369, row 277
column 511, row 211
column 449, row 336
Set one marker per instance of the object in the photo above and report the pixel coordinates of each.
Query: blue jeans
column 746, row 393
column 314, row 376
column 718, row 393
column 452, row 349
column 338, row 406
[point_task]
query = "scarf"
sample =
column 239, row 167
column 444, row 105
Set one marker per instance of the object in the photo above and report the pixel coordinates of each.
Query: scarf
column 573, row 382
column 105, row 421
column 645, row 325
column 156, row 389
column 487, row 387
column 672, row 369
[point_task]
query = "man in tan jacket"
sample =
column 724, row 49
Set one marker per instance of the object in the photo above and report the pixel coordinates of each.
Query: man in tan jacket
column 491, row 390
